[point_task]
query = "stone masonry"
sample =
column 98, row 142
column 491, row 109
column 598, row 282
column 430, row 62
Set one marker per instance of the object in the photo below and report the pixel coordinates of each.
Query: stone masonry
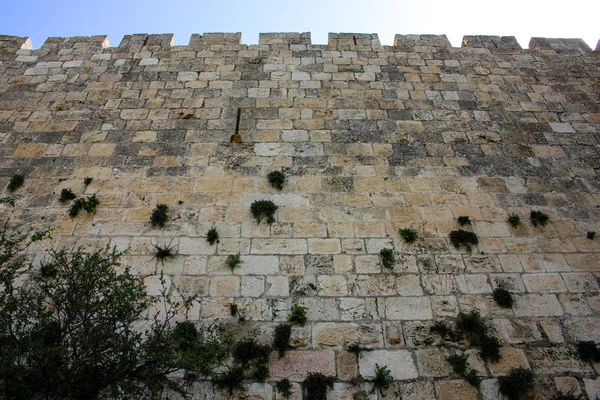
column 373, row 139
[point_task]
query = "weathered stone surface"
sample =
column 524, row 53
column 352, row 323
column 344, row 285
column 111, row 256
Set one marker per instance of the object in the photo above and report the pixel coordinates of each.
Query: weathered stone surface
column 296, row 365
column 399, row 362
column 455, row 390
column 511, row 358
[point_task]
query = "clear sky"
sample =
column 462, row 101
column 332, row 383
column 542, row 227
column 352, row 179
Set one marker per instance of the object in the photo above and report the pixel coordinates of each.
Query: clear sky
column 40, row 19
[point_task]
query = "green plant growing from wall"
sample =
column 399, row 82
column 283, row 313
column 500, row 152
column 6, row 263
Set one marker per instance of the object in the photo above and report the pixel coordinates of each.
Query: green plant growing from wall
column 409, row 235
column 15, row 182
column 503, row 297
column 518, row 384
column 212, row 236
column 464, row 220
column 460, row 367
column 479, row 334
column 591, row 235
column 588, row 351
column 233, row 309
column 298, row 315
column 66, row 194
column 383, row 378
column 284, row 387
column 263, row 209
column 164, row 252
column 276, row 179
column 233, row 260
column 281, row 338
column 87, row 203
column 159, row 217
column 87, row 180
column 539, row 218
column 387, row 258
column 315, row 386
column 463, row 238
column 8, row 200
column 514, row 220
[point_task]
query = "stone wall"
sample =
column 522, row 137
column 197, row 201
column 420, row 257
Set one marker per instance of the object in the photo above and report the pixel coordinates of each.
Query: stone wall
column 373, row 139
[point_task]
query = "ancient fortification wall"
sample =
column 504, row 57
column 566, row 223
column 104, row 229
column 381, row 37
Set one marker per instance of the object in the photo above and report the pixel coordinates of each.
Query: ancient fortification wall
column 373, row 139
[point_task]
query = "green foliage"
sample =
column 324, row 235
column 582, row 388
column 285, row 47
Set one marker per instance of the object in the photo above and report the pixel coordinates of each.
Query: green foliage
column 87, row 180
column 383, row 377
column 15, row 182
column 8, row 200
column 355, row 348
column 458, row 363
column 231, row 379
column 263, row 209
column 180, row 202
column 472, row 378
column 298, row 315
column 464, row 220
column 514, row 220
column 315, row 386
column 212, row 236
column 441, row 328
column 281, row 338
column 502, row 297
column 233, row 309
column 463, row 238
column 161, row 253
column 479, row 334
column 159, row 215
column 233, row 260
column 538, row 218
column 588, row 351
column 387, row 257
column 276, row 179
column 409, row 235
column 72, row 332
column 87, row 203
column 284, row 387
column 591, row 235
column 250, row 361
column 517, row 385
column 66, row 194
column 248, row 350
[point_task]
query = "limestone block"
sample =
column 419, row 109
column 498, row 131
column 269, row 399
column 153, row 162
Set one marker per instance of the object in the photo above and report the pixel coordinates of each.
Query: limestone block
column 252, row 286
column 473, row 283
column 324, row 246
column 278, row 286
column 347, row 365
column 432, row 362
column 536, row 305
column 279, row 246
column 417, row 390
column 408, row 308
column 297, row 365
column 346, row 334
column 592, row 387
column 511, row 358
column 221, row 286
column 544, row 283
column 332, row 285
column 399, row 362
column 567, row 385
column 455, row 390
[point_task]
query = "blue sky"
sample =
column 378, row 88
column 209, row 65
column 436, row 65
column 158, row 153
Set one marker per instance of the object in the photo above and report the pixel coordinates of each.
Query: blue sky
column 523, row 19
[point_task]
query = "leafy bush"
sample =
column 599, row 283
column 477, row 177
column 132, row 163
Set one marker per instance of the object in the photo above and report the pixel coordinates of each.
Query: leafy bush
column 276, row 179
column 159, row 215
column 478, row 333
column 212, row 236
column 591, row 235
column 588, row 351
column 263, row 209
column 15, row 182
column 161, row 253
column 464, row 220
column 458, row 363
column 233, row 260
column 281, row 338
column 502, row 297
column 538, row 218
column 315, row 386
column 514, row 220
column 463, row 238
column 409, row 235
column 298, row 315
column 66, row 194
column 517, row 385
column 87, row 180
column 56, row 350
column 88, row 203
column 387, row 258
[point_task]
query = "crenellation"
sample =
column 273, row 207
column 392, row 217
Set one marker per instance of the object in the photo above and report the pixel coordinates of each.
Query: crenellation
column 560, row 46
column 353, row 42
column 491, row 42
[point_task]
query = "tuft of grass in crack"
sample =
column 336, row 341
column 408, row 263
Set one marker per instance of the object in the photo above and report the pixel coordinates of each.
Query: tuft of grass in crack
column 233, row 260
column 409, row 235
column 281, row 338
column 161, row 253
column 87, row 180
column 514, row 220
column 463, row 238
column 518, row 384
column 383, row 378
column 159, row 215
column 538, row 218
column 276, row 179
column 15, row 182
column 503, row 297
column 212, row 236
column 284, row 387
column 464, row 220
column 263, row 209
column 460, row 366
column 298, row 315
column 387, row 257
column 66, row 194
column 315, row 386
column 88, row 203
